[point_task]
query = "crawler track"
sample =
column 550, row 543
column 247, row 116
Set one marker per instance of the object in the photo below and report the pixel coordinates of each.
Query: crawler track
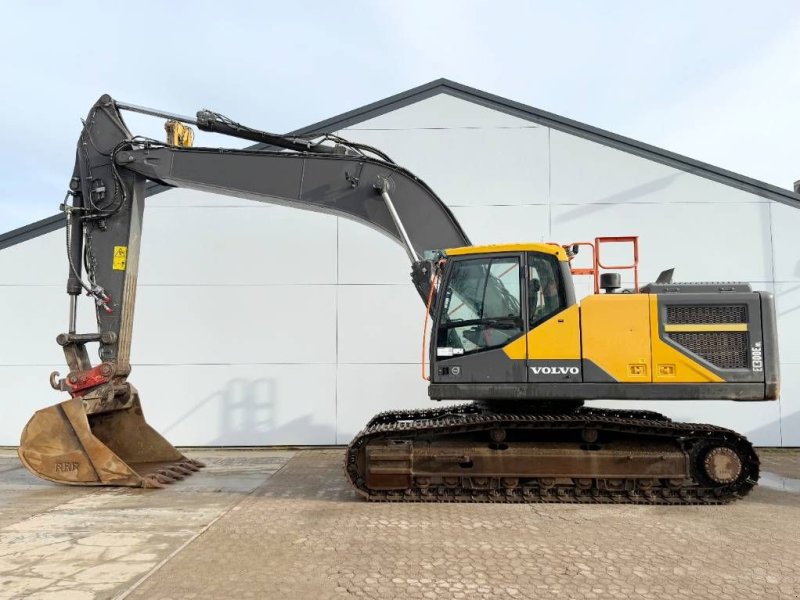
column 691, row 444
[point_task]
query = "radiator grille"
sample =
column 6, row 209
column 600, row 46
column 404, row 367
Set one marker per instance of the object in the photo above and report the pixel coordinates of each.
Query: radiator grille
column 710, row 313
column 723, row 349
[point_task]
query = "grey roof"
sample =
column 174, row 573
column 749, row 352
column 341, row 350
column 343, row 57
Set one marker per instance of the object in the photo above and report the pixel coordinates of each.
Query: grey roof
column 517, row 109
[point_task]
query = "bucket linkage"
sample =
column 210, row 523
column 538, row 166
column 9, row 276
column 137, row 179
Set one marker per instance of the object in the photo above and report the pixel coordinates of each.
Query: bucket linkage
column 99, row 436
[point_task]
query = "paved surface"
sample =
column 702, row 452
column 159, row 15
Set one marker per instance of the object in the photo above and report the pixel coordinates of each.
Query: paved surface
column 280, row 524
column 63, row 543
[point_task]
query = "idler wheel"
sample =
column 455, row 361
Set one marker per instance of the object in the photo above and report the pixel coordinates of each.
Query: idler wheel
column 498, row 435
column 590, row 435
column 722, row 465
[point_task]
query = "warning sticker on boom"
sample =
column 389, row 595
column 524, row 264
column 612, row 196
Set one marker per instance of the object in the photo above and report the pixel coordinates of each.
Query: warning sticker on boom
column 120, row 258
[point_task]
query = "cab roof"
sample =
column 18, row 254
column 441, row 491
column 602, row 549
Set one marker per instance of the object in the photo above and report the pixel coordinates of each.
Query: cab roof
column 553, row 249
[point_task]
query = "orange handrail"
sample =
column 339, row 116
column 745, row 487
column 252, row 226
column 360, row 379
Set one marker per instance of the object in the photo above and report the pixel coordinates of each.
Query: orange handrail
column 583, row 270
column 633, row 239
column 434, row 281
column 597, row 265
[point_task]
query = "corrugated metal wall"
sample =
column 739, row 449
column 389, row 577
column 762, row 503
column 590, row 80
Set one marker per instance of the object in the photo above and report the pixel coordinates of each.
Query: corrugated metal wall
column 290, row 327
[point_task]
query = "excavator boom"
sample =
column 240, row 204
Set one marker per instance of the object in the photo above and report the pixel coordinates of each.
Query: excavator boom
column 99, row 436
column 112, row 167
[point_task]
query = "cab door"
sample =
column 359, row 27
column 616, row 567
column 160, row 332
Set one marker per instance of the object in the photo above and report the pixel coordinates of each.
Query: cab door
column 554, row 339
column 481, row 309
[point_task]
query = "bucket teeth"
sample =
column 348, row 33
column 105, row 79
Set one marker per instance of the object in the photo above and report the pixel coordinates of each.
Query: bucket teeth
column 195, row 463
column 152, row 482
column 164, row 477
column 189, row 466
column 172, row 474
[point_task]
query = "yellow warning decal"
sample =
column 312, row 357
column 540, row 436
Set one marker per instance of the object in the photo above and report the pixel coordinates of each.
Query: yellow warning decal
column 120, row 257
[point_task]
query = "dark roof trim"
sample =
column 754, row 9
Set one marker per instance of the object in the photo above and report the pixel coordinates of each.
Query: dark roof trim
column 541, row 117
column 50, row 224
column 27, row 232
column 517, row 109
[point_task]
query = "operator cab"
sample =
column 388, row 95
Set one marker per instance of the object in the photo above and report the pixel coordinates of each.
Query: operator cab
column 490, row 297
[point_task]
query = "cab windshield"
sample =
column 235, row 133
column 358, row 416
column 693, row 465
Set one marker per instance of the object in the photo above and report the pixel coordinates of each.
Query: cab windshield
column 481, row 307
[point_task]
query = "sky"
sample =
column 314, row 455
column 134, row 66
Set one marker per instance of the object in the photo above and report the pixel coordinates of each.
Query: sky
column 718, row 81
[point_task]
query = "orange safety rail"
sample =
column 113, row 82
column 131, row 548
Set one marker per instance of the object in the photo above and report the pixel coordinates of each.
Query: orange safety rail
column 584, row 270
column 597, row 265
column 631, row 239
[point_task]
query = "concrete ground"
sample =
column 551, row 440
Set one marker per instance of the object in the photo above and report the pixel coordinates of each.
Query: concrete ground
column 284, row 524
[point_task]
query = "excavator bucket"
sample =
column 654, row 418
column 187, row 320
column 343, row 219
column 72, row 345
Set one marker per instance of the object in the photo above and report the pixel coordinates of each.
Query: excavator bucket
column 67, row 443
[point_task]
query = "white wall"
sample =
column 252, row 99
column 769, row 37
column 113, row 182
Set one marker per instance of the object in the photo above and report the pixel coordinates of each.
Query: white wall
column 266, row 325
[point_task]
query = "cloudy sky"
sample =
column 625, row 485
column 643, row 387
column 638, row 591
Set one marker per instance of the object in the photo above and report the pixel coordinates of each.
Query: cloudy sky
column 716, row 80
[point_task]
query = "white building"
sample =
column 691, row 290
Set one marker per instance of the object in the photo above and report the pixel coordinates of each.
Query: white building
column 258, row 324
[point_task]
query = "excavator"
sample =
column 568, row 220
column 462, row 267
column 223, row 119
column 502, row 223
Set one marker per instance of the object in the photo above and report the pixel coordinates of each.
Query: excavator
column 507, row 338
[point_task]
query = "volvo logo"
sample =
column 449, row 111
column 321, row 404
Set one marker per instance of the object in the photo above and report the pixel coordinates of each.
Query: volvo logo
column 555, row 370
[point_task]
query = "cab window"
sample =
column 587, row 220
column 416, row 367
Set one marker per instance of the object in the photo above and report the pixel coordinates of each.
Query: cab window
column 481, row 308
column 546, row 295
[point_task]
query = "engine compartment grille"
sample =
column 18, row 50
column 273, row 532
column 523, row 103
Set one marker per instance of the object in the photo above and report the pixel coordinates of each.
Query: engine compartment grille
column 713, row 313
column 723, row 349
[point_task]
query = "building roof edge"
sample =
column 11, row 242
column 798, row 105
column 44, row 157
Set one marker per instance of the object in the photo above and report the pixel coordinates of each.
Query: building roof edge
column 505, row 105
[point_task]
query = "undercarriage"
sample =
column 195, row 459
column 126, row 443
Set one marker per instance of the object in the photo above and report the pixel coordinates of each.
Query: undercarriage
column 469, row 453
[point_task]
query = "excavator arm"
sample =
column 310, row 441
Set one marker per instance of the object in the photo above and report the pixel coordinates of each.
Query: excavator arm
column 100, row 436
column 112, row 167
